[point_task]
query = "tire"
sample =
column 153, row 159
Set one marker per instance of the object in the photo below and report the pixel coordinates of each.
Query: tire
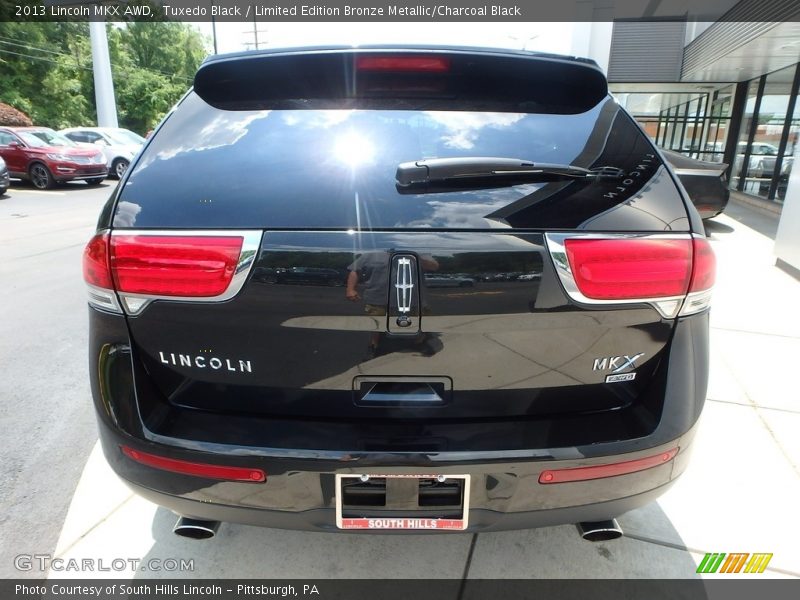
column 3, row 191
column 95, row 181
column 40, row 176
column 118, row 168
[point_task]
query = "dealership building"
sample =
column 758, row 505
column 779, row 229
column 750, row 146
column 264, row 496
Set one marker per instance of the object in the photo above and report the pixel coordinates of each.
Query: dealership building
column 722, row 91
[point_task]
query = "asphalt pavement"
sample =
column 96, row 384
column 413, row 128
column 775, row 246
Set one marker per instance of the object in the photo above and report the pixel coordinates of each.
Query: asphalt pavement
column 60, row 499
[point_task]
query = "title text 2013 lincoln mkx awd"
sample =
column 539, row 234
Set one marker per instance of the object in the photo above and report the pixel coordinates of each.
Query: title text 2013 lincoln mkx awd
column 399, row 289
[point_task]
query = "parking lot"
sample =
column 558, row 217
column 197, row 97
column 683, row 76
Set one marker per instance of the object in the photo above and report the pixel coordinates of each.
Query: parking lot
column 740, row 494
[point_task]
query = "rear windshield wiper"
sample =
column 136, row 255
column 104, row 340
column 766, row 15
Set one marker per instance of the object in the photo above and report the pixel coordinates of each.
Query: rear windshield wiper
column 476, row 171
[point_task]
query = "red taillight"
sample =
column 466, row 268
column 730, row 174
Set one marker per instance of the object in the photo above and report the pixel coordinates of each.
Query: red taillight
column 611, row 470
column 163, row 265
column 96, row 267
column 197, row 469
column 630, row 268
column 430, row 64
column 704, row 267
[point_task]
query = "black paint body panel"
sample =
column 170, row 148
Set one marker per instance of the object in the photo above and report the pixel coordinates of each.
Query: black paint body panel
column 320, row 365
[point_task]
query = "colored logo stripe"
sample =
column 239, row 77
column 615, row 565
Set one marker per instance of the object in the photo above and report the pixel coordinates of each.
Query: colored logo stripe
column 758, row 563
column 711, row 562
column 733, row 563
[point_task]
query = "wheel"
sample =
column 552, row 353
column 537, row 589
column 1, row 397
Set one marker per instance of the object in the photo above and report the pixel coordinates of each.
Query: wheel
column 3, row 191
column 40, row 176
column 119, row 167
column 95, row 181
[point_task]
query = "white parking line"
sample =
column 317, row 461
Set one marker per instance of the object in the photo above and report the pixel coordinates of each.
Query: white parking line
column 43, row 192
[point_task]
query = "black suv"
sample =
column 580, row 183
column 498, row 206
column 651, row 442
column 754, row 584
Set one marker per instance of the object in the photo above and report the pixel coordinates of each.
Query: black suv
column 562, row 385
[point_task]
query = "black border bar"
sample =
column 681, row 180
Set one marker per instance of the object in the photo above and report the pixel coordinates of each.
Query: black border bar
column 400, row 10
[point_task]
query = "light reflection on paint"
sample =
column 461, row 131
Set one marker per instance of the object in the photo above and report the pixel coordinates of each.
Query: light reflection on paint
column 354, row 150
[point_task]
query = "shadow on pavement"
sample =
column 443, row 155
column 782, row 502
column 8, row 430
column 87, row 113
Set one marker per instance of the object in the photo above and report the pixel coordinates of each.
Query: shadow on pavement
column 69, row 187
column 763, row 223
column 240, row 551
column 713, row 227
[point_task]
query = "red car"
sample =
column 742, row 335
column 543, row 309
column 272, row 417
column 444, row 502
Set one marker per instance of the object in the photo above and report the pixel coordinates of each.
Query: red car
column 47, row 158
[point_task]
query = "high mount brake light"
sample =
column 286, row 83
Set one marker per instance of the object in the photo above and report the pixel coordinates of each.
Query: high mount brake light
column 409, row 64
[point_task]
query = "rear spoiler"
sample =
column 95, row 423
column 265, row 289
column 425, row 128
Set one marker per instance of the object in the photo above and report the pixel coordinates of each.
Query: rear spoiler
column 401, row 78
column 684, row 165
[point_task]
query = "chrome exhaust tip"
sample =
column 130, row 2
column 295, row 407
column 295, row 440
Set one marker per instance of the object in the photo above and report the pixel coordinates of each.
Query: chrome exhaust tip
column 195, row 529
column 600, row 531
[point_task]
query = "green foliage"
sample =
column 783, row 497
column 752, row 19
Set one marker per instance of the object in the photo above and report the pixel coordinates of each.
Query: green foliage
column 46, row 70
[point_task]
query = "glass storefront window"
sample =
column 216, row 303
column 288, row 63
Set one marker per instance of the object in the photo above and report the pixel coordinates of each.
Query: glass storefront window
column 738, row 170
column 789, row 154
column 769, row 129
column 683, row 121
column 759, row 168
column 718, row 125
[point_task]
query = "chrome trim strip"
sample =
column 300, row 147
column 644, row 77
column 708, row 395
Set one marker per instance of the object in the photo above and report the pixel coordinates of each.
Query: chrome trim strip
column 135, row 303
column 702, row 172
column 404, row 285
column 103, row 174
column 103, row 299
column 696, row 302
column 668, row 306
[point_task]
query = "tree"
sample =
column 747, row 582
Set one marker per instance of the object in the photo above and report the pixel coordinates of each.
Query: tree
column 153, row 65
column 46, row 70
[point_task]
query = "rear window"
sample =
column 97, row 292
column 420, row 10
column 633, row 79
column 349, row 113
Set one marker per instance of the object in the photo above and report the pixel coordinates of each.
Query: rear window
column 308, row 169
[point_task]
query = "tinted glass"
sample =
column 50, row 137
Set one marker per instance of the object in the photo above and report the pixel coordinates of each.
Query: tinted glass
column 209, row 167
column 123, row 137
column 45, row 137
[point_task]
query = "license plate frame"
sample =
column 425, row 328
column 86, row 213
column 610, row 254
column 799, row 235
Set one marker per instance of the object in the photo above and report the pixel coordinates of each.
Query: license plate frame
column 409, row 523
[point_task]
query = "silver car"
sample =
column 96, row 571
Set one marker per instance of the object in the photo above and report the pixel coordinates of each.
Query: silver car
column 4, row 181
column 119, row 145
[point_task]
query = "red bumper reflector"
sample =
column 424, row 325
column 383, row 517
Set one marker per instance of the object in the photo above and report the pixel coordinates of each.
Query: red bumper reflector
column 164, row 265
column 612, row 470
column 196, row 469
column 626, row 269
column 429, row 64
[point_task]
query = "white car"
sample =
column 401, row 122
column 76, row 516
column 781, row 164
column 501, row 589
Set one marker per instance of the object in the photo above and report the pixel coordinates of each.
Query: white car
column 119, row 145
column 3, row 176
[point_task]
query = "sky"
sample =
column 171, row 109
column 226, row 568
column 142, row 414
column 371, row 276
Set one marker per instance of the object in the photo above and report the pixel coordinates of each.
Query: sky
column 544, row 37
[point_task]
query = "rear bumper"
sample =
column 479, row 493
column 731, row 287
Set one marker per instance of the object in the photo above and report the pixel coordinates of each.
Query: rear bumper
column 301, row 458
column 324, row 519
column 300, row 493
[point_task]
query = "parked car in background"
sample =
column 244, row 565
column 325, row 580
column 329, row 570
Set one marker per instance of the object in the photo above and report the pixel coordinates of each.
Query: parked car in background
column 309, row 276
column 704, row 181
column 46, row 157
column 4, row 180
column 443, row 281
column 118, row 145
